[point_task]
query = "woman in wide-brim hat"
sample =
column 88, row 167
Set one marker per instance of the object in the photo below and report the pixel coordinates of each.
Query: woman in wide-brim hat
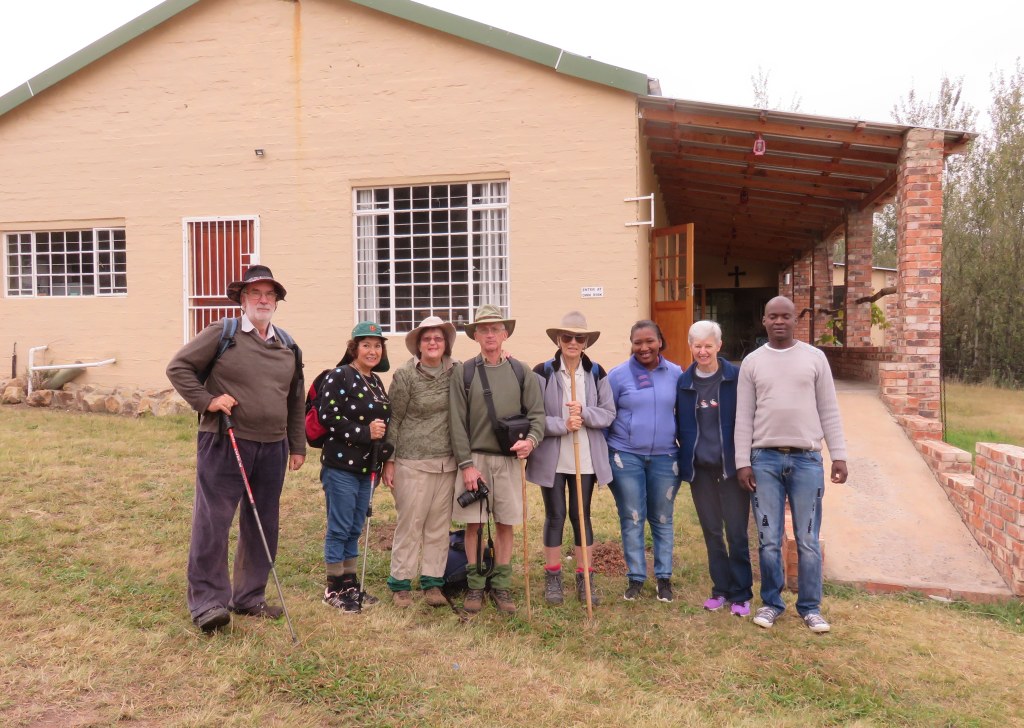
column 354, row 410
column 422, row 471
column 553, row 464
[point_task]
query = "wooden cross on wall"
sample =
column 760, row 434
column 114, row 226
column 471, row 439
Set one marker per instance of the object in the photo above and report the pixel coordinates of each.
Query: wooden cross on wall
column 736, row 273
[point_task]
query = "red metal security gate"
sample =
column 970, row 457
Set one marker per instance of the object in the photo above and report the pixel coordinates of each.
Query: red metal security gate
column 217, row 251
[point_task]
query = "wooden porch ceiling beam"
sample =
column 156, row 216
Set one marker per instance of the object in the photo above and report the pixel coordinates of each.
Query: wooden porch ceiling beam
column 737, row 183
column 789, row 212
column 660, row 148
column 732, row 170
column 727, row 232
column 825, row 151
column 718, row 249
column 761, row 201
column 676, row 184
column 776, row 217
column 883, row 189
column 792, row 130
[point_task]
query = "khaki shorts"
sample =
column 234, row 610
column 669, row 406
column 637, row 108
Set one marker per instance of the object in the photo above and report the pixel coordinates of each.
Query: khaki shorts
column 505, row 484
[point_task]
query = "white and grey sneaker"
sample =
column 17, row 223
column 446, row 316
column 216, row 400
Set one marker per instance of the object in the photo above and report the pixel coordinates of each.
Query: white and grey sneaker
column 766, row 616
column 816, row 623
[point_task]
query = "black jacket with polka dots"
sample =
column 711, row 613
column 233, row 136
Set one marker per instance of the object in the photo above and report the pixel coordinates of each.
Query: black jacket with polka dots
column 348, row 404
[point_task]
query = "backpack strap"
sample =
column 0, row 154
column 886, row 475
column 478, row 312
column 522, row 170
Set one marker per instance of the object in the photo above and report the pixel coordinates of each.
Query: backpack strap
column 469, row 370
column 227, row 339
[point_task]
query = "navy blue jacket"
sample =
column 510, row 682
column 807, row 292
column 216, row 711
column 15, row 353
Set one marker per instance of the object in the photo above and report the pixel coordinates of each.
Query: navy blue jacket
column 686, row 419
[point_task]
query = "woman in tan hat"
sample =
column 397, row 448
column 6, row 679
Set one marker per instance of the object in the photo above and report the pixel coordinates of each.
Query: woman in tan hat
column 422, row 472
column 553, row 464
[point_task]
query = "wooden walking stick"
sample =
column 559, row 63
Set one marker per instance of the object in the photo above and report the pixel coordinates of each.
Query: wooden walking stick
column 579, row 504
column 526, row 548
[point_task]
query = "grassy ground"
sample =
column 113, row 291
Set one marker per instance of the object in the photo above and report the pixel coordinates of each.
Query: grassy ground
column 94, row 526
column 978, row 413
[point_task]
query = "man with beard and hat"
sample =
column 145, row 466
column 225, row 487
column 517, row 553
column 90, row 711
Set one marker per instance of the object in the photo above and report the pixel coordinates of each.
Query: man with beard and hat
column 257, row 380
column 513, row 390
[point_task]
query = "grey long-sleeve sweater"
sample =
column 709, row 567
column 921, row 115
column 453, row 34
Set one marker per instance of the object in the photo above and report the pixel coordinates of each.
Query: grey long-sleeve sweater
column 786, row 398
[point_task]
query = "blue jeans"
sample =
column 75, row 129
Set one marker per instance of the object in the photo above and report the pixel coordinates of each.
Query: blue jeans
column 800, row 477
column 723, row 509
column 645, row 488
column 348, row 499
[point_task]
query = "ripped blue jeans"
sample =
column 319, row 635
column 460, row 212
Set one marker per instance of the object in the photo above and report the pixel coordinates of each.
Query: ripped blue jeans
column 645, row 488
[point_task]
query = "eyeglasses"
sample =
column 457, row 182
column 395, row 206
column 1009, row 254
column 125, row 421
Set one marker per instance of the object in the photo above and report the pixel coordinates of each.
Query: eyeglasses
column 569, row 338
column 257, row 295
column 432, row 340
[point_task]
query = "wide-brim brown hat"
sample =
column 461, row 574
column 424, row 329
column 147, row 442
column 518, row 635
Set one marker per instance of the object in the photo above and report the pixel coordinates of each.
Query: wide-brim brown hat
column 490, row 314
column 573, row 322
column 254, row 274
column 412, row 339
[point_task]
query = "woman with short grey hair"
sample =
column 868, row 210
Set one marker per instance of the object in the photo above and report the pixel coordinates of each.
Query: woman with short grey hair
column 705, row 420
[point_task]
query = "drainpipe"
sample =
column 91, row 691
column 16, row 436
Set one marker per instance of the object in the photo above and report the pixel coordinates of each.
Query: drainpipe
column 51, row 367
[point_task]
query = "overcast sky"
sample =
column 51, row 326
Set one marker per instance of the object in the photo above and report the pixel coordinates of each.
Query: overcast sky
column 837, row 59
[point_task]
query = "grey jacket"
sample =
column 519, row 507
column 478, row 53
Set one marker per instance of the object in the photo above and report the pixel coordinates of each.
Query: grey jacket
column 540, row 468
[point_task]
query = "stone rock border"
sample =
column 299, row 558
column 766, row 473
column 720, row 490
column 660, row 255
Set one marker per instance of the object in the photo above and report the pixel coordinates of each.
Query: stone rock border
column 125, row 399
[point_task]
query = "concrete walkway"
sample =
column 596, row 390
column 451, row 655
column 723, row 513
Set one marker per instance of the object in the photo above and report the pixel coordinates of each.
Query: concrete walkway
column 891, row 527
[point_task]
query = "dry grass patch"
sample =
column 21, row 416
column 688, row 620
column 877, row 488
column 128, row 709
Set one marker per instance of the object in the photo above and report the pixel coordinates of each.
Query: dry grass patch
column 94, row 526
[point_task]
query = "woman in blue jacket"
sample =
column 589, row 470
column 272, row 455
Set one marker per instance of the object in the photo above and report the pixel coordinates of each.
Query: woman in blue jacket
column 642, row 452
column 705, row 420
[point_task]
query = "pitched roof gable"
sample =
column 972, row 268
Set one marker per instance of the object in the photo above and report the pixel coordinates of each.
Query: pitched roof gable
column 560, row 60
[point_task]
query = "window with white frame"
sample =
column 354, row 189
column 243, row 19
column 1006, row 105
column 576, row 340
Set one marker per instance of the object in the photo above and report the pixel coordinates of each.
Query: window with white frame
column 437, row 249
column 91, row 262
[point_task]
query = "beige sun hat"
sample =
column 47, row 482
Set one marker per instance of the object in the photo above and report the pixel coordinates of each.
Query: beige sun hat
column 412, row 339
column 489, row 314
column 573, row 322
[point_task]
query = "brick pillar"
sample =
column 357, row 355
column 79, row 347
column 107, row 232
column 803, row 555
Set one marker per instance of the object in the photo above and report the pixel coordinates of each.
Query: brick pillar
column 822, row 277
column 802, row 296
column 858, row 277
column 919, row 280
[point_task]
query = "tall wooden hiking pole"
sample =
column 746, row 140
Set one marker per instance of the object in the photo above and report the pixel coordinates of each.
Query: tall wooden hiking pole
column 579, row 505
column 526, row 547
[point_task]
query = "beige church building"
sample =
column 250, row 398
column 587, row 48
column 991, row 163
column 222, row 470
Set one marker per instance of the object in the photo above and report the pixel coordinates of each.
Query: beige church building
column 390, row 161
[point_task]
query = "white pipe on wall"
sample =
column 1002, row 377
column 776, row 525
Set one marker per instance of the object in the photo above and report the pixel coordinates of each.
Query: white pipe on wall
column 50, row 367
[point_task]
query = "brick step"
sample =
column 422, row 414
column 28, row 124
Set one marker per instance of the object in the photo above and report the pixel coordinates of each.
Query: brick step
column 958, row 487
column 943, row 457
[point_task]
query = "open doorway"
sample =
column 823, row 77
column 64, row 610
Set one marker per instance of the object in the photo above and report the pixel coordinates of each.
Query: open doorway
column 739, row 312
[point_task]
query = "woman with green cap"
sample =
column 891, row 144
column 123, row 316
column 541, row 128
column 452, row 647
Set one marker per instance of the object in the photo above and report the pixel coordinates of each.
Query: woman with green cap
column 355, row 410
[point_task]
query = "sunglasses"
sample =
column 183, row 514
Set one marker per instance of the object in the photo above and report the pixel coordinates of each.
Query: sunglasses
column 569, row 338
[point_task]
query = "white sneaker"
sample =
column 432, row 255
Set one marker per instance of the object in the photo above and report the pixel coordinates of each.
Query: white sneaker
column 816, row 623
column 766, row 616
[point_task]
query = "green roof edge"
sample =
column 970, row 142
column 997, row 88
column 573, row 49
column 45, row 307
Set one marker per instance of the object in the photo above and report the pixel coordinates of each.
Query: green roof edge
column 560, row 60
column 92, row 52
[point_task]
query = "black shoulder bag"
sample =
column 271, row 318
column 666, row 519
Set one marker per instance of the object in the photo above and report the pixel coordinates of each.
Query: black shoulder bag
column 509, row 429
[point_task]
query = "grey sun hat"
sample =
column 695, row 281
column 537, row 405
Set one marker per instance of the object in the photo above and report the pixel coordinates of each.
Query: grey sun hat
column 489, row 314
column 412, row 339
column 254, row 274
column 573, row 322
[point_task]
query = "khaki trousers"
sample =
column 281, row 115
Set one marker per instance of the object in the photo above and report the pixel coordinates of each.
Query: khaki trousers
column 423, row 499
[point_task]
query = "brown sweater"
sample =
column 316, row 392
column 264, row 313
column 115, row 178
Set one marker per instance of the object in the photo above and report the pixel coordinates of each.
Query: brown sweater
column 259, row 374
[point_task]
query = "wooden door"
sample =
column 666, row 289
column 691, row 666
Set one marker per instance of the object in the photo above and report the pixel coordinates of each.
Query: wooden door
column 218, row 250
column 672, row 288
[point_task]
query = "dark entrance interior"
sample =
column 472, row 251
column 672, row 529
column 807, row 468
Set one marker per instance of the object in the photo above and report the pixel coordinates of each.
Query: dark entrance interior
column 738, row 311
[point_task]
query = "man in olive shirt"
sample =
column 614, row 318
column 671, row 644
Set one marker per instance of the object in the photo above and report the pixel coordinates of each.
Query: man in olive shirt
column 478, row 455
column 258, row 381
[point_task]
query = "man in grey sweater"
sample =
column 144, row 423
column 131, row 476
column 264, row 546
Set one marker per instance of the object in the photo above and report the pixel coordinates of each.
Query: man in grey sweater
column 786, row 404
column 258, row 382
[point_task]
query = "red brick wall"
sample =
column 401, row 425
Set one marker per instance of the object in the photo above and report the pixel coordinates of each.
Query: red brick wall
column 802, row 296
column 822, row 277
column 860, row 362
column 858, row 277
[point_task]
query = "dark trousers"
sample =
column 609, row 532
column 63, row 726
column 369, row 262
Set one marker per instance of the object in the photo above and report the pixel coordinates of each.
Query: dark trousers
column 219, row 490
column 723, row 502
column 554, row 508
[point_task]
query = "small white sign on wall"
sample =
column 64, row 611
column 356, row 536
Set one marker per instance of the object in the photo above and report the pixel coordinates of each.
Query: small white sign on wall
column 592, row 292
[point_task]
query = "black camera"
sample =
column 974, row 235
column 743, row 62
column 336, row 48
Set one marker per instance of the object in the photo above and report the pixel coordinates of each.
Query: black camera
column 472, row 496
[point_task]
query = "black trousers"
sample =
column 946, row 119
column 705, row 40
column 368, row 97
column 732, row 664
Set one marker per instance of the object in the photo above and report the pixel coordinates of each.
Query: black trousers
column 555, row 510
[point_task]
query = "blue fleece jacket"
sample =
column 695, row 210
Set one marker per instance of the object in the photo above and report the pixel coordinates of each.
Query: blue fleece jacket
column 644, row 415
column 686, row 419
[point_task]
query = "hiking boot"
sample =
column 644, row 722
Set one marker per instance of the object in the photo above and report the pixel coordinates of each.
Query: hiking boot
column 714, row 604
column 581, row 589
column 434, row 597
column 212, row 619
column 816, row 623
column 344, row 600
column 402, row 599
column 502, row 599
column 474, row 601
column 261, row 609
column 553, row 587
column 633, row 590
column 740, row 609
column 664, row 590
column 766, row 616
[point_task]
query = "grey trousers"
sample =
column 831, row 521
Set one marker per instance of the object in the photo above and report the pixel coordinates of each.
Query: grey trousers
column 219, row 491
